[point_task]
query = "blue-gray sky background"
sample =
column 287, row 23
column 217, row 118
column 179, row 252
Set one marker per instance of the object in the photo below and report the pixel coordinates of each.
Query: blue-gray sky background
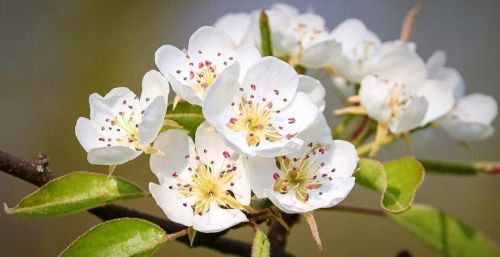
column 54, row 54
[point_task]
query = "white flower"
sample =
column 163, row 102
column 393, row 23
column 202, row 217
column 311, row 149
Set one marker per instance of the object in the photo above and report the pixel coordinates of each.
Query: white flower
column 301, row 38
column 471, row 118
column 202, row 184
column 261, row 113
column 210, row 52
column 319, row 175
column 121, row 125
column 391, row 97
column 359, row 45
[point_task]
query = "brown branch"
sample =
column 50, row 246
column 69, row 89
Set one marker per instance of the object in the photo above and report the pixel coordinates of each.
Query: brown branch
column 37, row 173
column 359, row 209
column 278, row 234
column 408, row 23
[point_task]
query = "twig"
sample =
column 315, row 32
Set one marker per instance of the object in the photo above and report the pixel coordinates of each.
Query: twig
column 359, row 209
column 408, row 23
column 38, row 174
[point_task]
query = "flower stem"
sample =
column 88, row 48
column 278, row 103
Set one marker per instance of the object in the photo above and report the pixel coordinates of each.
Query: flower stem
column 265, row 34
column 177, row 234
column 460, row 168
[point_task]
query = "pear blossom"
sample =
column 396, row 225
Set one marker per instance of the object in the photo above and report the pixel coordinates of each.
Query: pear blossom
column 260, row 111
column 318, row 175
column 471, row 118
column 402, row 95
column 202, row 184
column 359, row 45
column 209, row 53
column 122, row 125
column 302, row 38
column 299, row 38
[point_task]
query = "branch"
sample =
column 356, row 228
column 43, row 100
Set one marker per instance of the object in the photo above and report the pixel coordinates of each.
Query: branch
column 359, row 209
column 278, row 234
column 462, row 168
column 37, row 173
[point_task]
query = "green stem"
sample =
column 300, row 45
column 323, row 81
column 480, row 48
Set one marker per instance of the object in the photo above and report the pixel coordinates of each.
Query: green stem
column 460, row 168
column 365, row 149
column 265, row 34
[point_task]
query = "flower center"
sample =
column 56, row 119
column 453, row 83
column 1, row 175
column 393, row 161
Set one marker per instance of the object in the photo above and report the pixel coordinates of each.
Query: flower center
column 397, row 100
column 207, row 188
column 204, row 76
column 298, row 175
column 306, row 36
column 254, row 120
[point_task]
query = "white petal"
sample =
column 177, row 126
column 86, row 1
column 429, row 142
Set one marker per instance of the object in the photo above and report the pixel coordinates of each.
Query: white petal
column 352, row 32
column 297, row 116
column 317, row 132
column 171, row 202
column 246, row 55
column 373, row 94
column 314, row 90
column 152, row 121
column 476, row 107
column 236, row 25
column 176, row 155
column 468, row 131
column 320, row 54
column 278, row 148
column 113, row 155
column 435, row 63
column 154, row 85
column 272, row 79
column 210, row 41
column 410, row 117
column 87, row 134
column 260, row 174
column 448, row 76
column 332, row 193
column 398, row 63
column 212, row 150
column 217, row 108
column 218, row 219
column 285, row 8
column 107, row 106
column 174, row 65
column 341, row 156
column 439, row 98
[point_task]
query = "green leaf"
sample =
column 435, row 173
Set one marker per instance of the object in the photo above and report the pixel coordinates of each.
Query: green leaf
column 445, row 233
column 261, row 246
column 75, row 192
column 371, row 174
column 404, row 177
column 265, row 34
column 118, row 238
column 396, row 180
column 185, row 114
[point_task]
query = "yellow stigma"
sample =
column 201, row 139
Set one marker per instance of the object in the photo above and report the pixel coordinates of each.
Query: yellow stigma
column 299, row 175
column 254, row 121
column 129, row 128
column 207, row 188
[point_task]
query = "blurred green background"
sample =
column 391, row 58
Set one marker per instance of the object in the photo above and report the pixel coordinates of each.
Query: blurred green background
column 54, row 54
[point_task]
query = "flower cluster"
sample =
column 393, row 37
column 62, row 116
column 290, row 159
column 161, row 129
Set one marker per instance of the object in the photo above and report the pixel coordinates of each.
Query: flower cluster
column 264, row 131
